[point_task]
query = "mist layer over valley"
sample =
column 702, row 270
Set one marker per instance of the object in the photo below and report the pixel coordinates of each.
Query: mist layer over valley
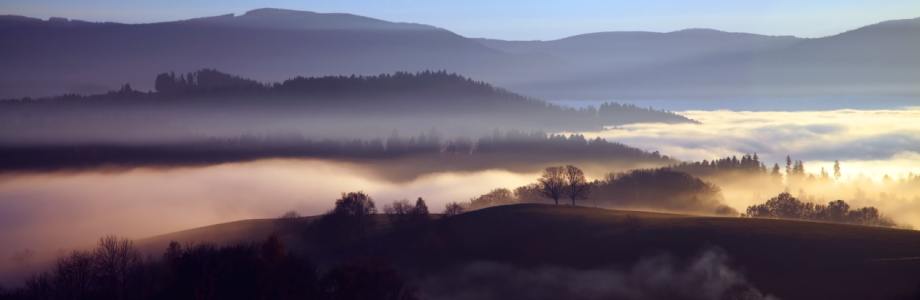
column 285, row 154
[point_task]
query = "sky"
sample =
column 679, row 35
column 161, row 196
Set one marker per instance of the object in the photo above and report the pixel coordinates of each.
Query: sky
column 518, row 19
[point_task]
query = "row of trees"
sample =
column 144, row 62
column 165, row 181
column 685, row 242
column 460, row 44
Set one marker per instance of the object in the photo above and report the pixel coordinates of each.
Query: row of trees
column 437, row 91
column 785, row 206
column 660, row 189
column 512, row 141
column 568, row 182
column 354, row 216
column 202, row 80
column 750, row 165
column 518, row 146
column 116, row 270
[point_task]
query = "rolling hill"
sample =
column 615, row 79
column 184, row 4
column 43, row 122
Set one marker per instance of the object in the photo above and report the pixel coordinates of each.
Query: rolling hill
column 788, row 259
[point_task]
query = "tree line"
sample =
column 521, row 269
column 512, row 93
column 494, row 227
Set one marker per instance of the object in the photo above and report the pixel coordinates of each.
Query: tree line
column 519, row 146
column 355, row 216
column 115, row 269
column 750, row 170
column 437, row 91
column 785, row 206
column 659, row 189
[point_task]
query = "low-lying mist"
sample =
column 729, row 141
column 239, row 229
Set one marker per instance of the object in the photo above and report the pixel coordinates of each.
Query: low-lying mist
column 707, row 276
column 846, row 135
column 869, row 145
column 48, row 212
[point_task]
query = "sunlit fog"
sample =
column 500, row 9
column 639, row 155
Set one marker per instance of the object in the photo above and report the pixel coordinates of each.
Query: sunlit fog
column 66, row 210
column 698, row 150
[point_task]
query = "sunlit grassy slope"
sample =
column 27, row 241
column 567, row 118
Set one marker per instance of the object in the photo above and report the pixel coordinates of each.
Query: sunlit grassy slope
column 789, row 259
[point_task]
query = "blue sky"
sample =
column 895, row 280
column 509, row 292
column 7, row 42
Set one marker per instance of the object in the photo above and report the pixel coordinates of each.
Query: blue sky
column 518, row 19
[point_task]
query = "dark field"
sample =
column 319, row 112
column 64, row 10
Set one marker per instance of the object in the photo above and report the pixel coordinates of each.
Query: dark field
column 788, row 259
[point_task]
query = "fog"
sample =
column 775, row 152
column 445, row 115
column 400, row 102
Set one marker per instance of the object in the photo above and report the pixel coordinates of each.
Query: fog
column 869, row 145
column 874, row 142
column 706, row 276
column 47, row 212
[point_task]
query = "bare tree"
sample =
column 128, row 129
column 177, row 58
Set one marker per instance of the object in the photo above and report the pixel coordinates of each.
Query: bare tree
column 453, row 209
column 74, row 276
column 552, row 183
column 291, row 222
column 577, row 187
column 402, row 213
column 117, row 260
column 23, row 258
column 399, row 212
column 39, row 286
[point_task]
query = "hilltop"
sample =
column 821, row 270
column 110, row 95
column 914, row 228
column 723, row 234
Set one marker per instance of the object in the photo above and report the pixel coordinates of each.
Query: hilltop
column 789, row 259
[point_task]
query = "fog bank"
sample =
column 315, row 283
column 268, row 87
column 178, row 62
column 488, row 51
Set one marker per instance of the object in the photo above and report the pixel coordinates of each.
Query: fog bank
column 874, row 142
column 47, row 212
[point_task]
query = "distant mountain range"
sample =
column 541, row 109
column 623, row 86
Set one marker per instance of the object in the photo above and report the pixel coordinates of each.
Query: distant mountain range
column 42, row 58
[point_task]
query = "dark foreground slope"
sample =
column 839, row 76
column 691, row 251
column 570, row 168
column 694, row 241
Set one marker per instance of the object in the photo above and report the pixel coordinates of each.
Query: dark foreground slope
column 789, row 259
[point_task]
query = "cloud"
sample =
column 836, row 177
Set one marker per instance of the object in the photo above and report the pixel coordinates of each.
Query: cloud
column 874, row 141
column 707, row 276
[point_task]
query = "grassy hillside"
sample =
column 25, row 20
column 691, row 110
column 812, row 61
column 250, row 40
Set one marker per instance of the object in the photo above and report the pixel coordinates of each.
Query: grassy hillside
column 789, row 259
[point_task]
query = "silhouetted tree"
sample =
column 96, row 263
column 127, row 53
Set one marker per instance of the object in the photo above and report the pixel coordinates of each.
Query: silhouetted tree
column 577, row 187
column 74, row 276
column 837, row 170
column 399, row 212
column 553, row 183
column 787, row 207
column 403, row 213
column 23, row 258
column 116, row 260
column 352, row 218
column 452, row 209
column 420, row 213
column 39, row 286
column 499, row 196
column 661, row 188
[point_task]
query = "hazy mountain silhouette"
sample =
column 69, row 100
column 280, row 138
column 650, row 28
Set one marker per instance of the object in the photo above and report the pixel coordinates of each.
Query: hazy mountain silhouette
column 635, row 50
column 875, row 59
column 209, row 102
column 43, row 58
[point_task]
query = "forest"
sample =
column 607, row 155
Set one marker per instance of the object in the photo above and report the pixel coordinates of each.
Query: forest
column 211, row 103
column 513, row 146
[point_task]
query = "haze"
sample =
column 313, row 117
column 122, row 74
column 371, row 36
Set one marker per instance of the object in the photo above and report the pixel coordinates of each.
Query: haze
column 459, row 150
column 523, row 20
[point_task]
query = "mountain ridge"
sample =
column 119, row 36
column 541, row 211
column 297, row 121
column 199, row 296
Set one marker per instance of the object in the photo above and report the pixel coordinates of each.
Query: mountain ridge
column 274, row 44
